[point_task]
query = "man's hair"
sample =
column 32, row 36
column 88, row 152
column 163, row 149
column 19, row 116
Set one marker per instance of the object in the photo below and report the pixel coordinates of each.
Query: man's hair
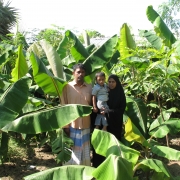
column 99, row 74
column 79, row 65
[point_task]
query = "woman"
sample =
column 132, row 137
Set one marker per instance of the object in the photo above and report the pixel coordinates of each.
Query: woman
column 117, row 105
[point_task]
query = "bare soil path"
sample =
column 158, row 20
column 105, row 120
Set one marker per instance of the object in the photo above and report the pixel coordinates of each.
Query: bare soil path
column 40, row 159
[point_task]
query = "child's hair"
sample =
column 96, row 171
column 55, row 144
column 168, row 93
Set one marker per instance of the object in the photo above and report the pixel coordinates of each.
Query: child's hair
column 99, row 74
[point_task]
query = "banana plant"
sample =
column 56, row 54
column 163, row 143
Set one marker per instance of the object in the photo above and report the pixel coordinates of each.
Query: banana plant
column 151, row 148
column 18, row 94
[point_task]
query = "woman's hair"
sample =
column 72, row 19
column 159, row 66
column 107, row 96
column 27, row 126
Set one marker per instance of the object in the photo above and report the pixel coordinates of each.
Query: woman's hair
column 99, row 74
column 115, row 77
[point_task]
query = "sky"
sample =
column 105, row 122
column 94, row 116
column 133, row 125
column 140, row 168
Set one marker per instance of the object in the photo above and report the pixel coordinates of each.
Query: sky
column 105, row 16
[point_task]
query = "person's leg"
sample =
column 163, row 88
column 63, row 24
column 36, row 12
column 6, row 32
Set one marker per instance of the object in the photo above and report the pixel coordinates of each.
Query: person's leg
column 81, row 149
column 104, row 123
column 86, row 147
column 98, row 121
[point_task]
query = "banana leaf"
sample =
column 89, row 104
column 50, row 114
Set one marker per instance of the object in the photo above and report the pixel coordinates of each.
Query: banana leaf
column 155, row 41
column 158, row 175
column 13, row 100
column 166, row 152
column 126, row 43
column 171, row 126
column 53, row 58
column 166, row 115
column 137, row 112
column 34, row 104
column 153, row 164
column 45, row 79
column 133, row 134
column 100, row 57
column 139, row 63
column 114, row 168
column 47, row 119
column 90, row 48
column 21, row 67
column 160, row 27
column 71, row 43
column 106, row 144
column 78, row 172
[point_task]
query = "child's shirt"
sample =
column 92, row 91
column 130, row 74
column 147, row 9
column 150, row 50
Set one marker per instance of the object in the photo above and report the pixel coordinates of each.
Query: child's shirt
column 101, row 92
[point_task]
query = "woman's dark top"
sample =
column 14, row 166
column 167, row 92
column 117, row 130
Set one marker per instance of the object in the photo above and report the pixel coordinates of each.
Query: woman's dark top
column 117, row 105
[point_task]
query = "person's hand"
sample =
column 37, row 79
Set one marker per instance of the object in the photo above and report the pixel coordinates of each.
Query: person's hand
column 103, row 113
column 95, row 109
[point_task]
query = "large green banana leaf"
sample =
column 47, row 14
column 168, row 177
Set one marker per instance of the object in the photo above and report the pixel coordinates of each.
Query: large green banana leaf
column 47, row 119
column 137, row 62
column 166, row 152
column 114, row 168
column 103, row 55
column 171, row 126
column 13, row 100
column 72, row 172
column 53, row 58
column 71, row 43
column 155, row 41
column 106, row 144
column 159, row 175
column 113, row 61
column 137, row 112
column 34, row 104
column 126, row 43
column 153, row 164
column 45, row 79
column 166, row 114
column 160, row 27
column 21, row 67
column 132, row 133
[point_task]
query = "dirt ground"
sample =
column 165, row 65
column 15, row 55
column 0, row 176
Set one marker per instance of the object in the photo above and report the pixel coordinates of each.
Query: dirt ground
column 40, row 159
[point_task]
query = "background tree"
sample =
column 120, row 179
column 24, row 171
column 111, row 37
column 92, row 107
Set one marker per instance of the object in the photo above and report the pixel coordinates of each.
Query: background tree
column 7, row 18
column 52, row 35
column 92, row 34
column 168, row 12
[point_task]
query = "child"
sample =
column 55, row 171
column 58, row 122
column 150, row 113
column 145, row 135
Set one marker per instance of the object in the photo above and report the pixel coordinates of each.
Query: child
column 99, row 99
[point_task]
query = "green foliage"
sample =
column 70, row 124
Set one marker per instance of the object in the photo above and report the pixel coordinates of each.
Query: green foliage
column 64, row 172
column 51, row 35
